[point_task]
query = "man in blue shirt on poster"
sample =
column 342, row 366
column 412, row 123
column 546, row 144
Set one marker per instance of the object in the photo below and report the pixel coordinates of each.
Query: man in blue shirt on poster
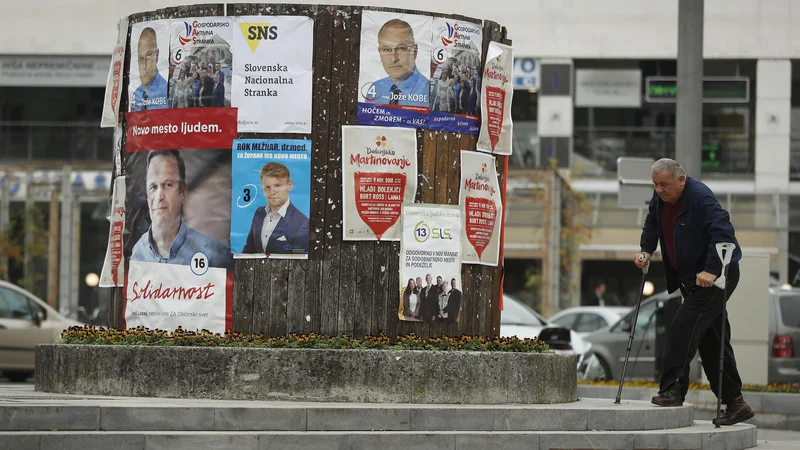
column 152, row 93
column 169, row 240
column 398, row 50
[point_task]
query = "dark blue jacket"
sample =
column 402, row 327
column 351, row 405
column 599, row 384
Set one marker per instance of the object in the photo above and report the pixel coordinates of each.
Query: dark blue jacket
column 289, row 237
column 700, row 225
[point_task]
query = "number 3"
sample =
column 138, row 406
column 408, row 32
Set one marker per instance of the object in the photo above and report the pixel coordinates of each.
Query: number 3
column 247, row 194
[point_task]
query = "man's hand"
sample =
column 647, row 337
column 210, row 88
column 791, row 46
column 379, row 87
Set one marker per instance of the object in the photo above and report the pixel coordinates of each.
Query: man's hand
column 705, row 279
column 641, row 264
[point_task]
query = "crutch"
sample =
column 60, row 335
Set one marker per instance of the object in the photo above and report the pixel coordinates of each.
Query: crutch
column 633, row 328
column 725, row 252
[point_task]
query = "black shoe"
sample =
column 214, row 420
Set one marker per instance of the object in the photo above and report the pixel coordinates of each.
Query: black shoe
column 669, row 397
column 737, row 411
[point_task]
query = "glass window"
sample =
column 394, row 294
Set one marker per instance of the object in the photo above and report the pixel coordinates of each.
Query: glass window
column 567, row 321
column 515, row 313
column 790, row 311
column 14, row 305
column 590, row 322
column 646, row 311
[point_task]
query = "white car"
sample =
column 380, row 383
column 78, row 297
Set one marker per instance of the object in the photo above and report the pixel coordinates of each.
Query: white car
column 25, row 320
column 588, row 319
column 517, row 319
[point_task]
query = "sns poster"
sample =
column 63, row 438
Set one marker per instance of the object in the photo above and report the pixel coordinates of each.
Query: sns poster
column 496, row 96
column 393, row 74
column 149, row 67
column 430, row 264
column 482, row 207
column 455, row 76
column 271, row 198
column 177, row 224
column 200, row 62
column 379, row 167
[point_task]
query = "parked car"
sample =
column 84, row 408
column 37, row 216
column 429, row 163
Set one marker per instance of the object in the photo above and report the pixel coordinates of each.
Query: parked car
column 609, row 345
column 518, row 319
column 784, row 331
column 25, row 320
column 588, row 319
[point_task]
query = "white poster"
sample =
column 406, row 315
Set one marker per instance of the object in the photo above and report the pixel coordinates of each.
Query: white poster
column 430, row 264
column 395, row 65
column 165, row 296
column 608, row 88
column 482, row 206
column 149, row 70
column 380, row 174
column 201, row 62
column 113, row 271
column 272, row 76
column 496, row 95
column 114, row 84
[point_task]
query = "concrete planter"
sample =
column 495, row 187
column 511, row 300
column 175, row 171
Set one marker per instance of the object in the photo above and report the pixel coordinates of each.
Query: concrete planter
column 369, row 376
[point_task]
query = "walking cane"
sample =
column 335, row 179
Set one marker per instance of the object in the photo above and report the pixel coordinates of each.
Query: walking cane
column 725, row 252
column 633, row 328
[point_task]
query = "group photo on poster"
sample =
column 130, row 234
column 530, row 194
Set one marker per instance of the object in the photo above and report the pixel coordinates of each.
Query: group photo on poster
column 149, row 68
column 200, row 62
column 455, row 76
column 271, row 198
column 273, row 73
column 430, row 264
column 379, row 171
column 395, row 65
column 496, row 96
column 482, row 203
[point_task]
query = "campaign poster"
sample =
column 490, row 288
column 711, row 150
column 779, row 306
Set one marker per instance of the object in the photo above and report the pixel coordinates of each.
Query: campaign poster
column 178, row 216
column 149, row 69
column 110, row 115
column 456, row 76
column 482, row 209
column 271, row 198
column 379, row 167
column 273, row 75
column 495, row 136
column 114, row 265
column 395, row 65
column 200, row 62
column 430, row 264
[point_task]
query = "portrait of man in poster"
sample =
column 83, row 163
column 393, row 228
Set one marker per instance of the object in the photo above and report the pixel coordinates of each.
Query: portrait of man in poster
column 278, row 227
column 398, row 51
column 152, row 92
column 169, row 239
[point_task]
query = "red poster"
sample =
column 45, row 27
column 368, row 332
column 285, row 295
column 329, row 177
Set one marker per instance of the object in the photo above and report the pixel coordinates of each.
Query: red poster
column 379, row 197
column 183, row 128
column 495, row 100
column 481, row 216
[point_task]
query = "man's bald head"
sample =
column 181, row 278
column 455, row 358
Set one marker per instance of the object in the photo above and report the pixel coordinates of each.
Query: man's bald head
column 397, row 26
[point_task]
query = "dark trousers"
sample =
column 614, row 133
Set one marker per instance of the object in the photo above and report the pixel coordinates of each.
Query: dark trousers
column 698, row 327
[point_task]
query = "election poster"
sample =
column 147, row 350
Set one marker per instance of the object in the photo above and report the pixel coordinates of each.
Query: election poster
column 395, row 65
column 271, row 198
column 272, row 76
column 149, row 69
column 456, row 76
column 379, row 167
column 110, row 115
column 482, row 208
column 177, row 219
column 200, row 62
column 114, row 265
column 430, row 264
column 496, row 95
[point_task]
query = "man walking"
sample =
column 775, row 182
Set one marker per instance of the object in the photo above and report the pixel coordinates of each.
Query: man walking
column 688, row 221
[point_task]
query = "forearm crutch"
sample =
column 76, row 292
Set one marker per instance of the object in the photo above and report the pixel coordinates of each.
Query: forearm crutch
column 725, row 252
column 633, row 328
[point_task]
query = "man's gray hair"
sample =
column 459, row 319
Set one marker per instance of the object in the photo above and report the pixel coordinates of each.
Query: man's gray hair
column 674, row 168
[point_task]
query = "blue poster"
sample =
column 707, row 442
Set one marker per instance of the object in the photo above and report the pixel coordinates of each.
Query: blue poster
column 271, row 200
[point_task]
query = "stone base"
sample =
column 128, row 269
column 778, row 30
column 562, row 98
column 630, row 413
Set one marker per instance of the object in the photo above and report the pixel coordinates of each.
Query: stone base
column 367, row 376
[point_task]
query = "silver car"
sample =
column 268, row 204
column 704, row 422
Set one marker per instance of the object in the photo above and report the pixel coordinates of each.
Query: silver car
column 784, row 331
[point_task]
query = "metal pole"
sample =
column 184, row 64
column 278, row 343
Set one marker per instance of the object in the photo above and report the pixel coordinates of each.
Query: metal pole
column 689, row 110
column 27, row 257
column 65, row 251
column 52, row 251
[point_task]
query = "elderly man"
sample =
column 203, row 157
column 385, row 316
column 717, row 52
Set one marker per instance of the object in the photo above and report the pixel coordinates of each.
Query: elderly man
column 688, row 222
column 398, row 50
column 152, row 93
column 169, row 240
